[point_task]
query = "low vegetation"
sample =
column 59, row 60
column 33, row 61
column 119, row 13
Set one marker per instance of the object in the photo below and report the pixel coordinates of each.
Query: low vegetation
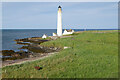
column 91, row 55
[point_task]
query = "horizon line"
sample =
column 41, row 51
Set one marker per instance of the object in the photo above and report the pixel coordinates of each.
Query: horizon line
column 92, row 28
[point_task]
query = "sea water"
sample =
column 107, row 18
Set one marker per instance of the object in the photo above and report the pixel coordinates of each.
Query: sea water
column 9, row 35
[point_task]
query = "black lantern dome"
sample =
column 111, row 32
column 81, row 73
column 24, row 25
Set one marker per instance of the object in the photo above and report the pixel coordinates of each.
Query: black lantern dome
column 59, row 7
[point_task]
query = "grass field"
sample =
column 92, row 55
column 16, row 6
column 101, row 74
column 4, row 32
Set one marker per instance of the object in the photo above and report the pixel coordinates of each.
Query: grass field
column 91, row 55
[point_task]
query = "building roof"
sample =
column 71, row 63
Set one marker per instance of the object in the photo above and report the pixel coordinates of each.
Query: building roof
column 45, row 35
column 69, row 30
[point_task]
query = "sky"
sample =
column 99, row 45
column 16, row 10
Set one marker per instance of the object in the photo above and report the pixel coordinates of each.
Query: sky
column 75, row 15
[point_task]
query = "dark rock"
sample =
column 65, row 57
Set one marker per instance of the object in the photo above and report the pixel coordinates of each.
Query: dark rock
column 38, row 68
column 7, row 52
column 88, row 41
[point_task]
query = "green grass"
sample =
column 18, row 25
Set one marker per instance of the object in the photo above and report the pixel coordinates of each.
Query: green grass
column 91, row 55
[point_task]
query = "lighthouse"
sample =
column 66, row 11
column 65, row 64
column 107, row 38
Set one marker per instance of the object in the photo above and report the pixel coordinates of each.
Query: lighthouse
column 59, row 21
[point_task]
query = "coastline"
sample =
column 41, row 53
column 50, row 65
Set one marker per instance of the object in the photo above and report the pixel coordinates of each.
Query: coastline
column 24, row 60
column 89, row 53
column 36, row 56
column 43, row 55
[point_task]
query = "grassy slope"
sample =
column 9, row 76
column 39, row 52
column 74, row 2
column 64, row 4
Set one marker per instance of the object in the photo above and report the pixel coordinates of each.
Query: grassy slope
column 92, row 55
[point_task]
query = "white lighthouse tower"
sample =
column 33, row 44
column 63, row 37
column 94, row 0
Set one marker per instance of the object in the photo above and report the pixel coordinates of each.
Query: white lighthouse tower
column 59, row 22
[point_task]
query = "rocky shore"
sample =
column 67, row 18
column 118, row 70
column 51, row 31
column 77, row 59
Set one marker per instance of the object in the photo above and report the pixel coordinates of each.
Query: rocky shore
column 30, row 50
column 27, row 59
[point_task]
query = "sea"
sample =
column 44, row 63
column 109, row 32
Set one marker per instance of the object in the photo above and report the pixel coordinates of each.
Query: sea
column 9, row 35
